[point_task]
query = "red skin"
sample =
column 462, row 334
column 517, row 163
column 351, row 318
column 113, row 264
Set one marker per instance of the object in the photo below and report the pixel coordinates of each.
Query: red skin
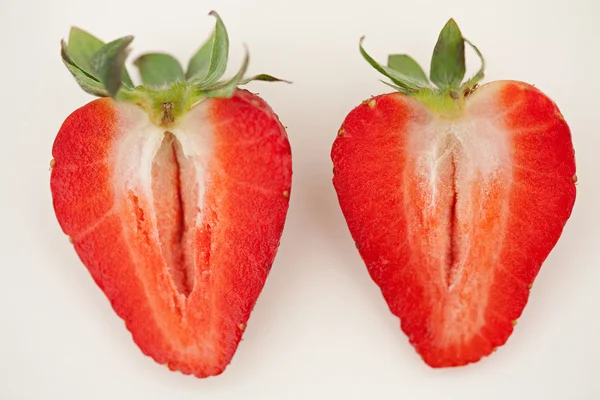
column 246, row 202
column 380, row 197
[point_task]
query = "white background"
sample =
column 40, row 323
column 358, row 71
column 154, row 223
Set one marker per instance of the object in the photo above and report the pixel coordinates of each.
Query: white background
column 321, row 329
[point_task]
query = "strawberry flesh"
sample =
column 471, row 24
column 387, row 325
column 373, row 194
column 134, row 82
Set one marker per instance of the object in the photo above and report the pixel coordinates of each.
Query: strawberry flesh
column 178, row 226
column 454, row 216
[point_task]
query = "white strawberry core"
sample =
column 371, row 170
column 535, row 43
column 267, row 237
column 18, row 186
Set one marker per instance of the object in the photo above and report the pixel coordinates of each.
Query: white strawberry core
column 464, row 170
column 166, row 169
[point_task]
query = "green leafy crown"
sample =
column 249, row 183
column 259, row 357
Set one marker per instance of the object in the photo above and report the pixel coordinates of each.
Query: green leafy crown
column 99, row 68
column 446, row 72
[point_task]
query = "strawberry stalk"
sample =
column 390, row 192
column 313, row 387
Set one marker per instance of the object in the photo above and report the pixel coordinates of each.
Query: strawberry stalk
column 166, row 92
column 444, row 91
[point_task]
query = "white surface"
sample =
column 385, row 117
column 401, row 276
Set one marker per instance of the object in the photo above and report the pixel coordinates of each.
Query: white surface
column 321, row 329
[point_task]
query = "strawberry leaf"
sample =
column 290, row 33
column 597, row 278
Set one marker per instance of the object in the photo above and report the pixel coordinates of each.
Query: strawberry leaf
column 406, row 83
column 85, row 80
column 395, row 87
column 480, row 74
column 158, row 69
column 67, row 59
column 82, row 47
column 408, row 66
column 88, row 84
column 199, row 63
column 226, row 89
column 108, row 64
column 448, row 60
column 208, row 65
column 263, row 78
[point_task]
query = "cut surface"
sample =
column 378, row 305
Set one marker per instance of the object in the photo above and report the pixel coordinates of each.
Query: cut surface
column 176, row 204
column 178, row 227
column 454, row 216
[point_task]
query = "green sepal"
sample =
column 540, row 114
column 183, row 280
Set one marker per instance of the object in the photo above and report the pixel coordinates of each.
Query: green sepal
column 448, row 60
column 263, row 78
column 480, row 73
column 447, row 72
column 406, row 83
column 67, row 59
column 199, row 63
column 158, row 69
column 408, row 66
column 227, row 88
column 395, row 87
column 108, row 64
column 89, row 85
column 165, row 94
column 85, row 80
column 82, row 46
column 208, row 65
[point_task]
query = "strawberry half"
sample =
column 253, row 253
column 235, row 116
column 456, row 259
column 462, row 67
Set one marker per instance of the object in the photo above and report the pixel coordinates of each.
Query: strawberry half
column 174, row 194
column 454, row 195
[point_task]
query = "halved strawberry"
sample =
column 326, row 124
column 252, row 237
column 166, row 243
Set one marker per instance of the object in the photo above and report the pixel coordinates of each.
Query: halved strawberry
column 174, row 194
column 455, row 196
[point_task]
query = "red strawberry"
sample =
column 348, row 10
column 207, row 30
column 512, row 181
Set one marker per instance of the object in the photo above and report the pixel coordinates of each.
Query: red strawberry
column 455, row 195
column 174, row 194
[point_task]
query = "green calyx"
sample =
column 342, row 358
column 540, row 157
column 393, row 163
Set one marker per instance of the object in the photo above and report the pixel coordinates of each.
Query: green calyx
column 167, row 91
column 445, row 90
